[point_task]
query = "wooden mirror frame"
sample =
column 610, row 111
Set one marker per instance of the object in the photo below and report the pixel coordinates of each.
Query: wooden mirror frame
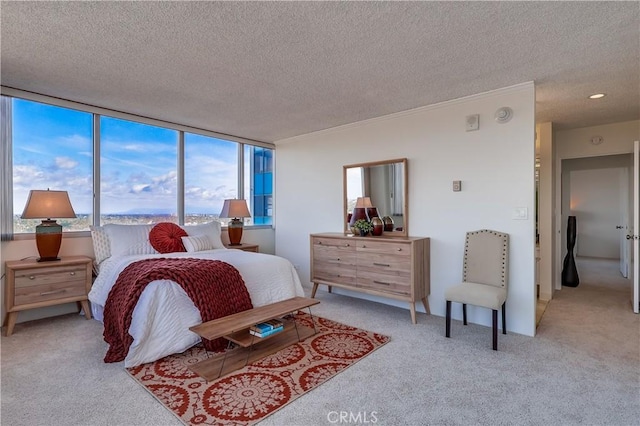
column 405, row 193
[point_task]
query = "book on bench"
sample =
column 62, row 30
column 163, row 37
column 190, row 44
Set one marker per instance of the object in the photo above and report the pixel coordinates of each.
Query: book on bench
column 267, row 332
column 266, row 326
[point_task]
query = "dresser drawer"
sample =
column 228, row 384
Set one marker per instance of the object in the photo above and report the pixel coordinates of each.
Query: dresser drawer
column 342, row 245
column 397, row 284
column 384, row 263
column 335, row 273
column 384, row 247
column 334, row 255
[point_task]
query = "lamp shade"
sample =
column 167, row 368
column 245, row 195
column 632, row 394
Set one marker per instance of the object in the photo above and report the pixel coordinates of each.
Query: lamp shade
column 235, row 208
column 364, row 202
column 43, row 204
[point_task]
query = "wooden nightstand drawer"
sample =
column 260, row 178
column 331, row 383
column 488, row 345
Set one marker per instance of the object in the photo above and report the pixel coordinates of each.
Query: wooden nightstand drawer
column 42, row 276
column 45, row 291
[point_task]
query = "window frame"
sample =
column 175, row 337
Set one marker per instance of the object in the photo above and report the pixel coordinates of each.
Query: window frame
column 97, row 112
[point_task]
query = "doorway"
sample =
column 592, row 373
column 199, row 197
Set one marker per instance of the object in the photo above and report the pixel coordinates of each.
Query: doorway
column 598, row 191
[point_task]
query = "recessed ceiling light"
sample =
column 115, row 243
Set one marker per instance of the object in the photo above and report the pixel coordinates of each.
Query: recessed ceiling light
column 597, row 96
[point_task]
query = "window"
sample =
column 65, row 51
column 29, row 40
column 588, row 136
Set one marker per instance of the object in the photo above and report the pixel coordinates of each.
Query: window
column 261, row 178
column 52, row 149
column 149, row 172
column 210, row 176
column 138, row 172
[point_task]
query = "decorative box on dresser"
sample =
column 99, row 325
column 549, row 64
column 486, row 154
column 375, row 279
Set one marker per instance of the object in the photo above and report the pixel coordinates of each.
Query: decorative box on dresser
column 31, row 284
column 393, row 267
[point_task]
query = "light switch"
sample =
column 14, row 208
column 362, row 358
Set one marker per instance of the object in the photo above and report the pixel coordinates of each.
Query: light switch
column 520, row 213
column 457, row 185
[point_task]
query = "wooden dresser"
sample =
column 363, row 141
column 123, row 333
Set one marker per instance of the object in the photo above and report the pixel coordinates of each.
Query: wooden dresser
column 394, row 267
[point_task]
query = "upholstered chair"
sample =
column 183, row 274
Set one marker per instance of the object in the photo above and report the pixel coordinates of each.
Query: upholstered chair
column 485, row 277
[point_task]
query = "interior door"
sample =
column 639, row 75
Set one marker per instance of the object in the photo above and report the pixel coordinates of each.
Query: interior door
column 623, row 227
column 635, row 231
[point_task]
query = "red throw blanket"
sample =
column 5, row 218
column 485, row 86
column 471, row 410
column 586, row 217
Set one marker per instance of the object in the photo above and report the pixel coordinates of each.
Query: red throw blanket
column 215, row 287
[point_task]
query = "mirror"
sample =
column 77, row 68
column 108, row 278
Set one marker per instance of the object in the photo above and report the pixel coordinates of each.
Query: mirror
column 385, row 183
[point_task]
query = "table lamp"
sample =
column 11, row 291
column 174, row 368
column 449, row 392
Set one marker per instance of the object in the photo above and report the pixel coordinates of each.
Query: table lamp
column 45, row 205
column 235, row 209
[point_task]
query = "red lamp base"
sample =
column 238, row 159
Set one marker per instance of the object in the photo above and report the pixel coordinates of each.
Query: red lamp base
column 235, row 232
column 48, row 240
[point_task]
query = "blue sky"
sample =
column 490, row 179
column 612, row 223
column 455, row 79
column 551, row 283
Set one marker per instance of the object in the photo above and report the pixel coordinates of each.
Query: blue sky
column 53, row 148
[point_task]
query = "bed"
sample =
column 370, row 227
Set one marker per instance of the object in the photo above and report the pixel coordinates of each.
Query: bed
column 162, row 317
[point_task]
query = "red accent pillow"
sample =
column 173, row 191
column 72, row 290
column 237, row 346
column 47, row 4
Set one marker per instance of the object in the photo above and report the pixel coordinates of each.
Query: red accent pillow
column 166, row 237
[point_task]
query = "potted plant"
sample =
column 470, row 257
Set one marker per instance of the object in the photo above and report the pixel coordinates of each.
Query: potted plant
column 364, row 226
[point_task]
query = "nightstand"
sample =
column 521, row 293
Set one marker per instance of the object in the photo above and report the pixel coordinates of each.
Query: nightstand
column 31, row 284
column 245, row 247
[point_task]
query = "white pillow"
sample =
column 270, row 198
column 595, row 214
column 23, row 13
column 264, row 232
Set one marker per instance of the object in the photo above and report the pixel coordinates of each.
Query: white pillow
column 101, row 245
column 197, row 243
column 129, row 239
column 211, row 229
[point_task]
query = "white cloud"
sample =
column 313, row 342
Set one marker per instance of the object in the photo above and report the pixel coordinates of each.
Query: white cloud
column 65, row 163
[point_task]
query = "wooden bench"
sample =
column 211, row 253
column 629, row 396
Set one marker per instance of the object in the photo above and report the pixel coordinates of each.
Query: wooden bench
column 235, row 328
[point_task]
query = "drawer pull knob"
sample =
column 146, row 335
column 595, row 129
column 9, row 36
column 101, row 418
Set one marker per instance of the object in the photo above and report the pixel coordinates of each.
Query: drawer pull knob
column 72, row 272
column 381, row 282
column 399, row 249
column 46, row 293
column 381, row 264
column 347, row 245
column 32, row 277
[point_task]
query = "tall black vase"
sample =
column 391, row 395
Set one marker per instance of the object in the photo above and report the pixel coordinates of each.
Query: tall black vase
column 569, row 270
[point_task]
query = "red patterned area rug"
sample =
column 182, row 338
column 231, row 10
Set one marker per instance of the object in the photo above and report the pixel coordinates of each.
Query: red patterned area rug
column 248, row 395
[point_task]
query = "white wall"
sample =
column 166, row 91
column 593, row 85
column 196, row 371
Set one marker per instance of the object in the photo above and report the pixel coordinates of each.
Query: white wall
column 595, row 201
column 494, row 163
column 82, row 246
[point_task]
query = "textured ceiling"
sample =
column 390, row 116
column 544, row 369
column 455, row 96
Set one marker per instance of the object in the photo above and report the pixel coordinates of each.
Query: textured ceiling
column 272, row 70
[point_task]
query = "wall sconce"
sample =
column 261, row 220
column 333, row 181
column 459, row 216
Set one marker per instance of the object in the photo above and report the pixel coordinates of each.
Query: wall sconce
column 45, row 205
column 235, row 209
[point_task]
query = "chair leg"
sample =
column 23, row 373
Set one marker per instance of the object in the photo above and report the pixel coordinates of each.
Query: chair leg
column 504, row 318
column 448, row 320
column 464, row 313
column 495, row 329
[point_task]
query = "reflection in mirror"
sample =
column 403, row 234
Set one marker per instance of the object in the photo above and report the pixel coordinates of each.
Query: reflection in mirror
column 380, row 184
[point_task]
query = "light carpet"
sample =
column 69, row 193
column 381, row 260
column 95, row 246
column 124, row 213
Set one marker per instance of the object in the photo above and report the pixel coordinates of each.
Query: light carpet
column 248, row 395
column 582, row 368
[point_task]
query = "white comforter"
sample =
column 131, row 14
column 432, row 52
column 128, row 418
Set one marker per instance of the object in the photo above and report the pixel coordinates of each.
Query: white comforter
column 164, row 313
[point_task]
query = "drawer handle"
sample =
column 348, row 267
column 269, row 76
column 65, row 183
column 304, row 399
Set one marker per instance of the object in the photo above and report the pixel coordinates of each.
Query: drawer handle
column 46, row 293
column 347, row 245
column 399, row 248
column 381, row 282
column 32, row 277
column 381, row 264
column 72, row 273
